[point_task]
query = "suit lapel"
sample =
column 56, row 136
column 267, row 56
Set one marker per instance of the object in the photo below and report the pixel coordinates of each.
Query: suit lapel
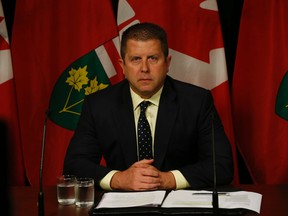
column 126, row 126
column 166, row 118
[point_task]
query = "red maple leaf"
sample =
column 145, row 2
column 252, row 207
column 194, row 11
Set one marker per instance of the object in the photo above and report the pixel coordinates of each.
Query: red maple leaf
column 3, row 43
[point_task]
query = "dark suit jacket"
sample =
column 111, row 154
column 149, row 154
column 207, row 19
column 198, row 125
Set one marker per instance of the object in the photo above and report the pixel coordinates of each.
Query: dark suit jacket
column 182, row 138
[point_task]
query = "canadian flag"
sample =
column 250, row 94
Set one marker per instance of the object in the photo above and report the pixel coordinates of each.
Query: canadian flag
column 8, row 111
column 196, row 45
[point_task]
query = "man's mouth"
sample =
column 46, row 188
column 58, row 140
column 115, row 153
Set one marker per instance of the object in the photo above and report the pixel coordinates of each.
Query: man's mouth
column 145, row 79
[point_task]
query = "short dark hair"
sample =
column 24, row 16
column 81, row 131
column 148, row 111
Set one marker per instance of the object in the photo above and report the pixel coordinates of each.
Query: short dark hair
column 143, row 32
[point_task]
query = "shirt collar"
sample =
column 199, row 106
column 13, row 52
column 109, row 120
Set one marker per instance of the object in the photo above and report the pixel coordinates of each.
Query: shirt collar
column 136, row 99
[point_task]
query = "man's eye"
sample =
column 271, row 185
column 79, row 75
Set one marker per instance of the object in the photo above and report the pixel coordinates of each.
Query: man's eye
column 153, row 59
column 135, row 60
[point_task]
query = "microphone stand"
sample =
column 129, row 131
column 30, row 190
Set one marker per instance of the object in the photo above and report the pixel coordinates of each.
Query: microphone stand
column 215, row 202
column 41, row 193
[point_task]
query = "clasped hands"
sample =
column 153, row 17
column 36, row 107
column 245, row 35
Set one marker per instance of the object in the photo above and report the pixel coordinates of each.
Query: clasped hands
column 141, row 176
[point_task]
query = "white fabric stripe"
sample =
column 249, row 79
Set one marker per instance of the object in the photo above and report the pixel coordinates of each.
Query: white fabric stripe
column 197, row 72
column 126, row 12
column 116, row 42
column 6, row 72
column 5, row 66
column 3, row 28
column 209, row 5
column 106, row 61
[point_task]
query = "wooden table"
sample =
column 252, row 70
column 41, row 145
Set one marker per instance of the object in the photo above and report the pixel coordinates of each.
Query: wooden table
column 24, row 201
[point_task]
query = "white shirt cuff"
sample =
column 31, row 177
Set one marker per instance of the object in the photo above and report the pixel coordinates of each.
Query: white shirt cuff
column 181, row 181
column 105, row 182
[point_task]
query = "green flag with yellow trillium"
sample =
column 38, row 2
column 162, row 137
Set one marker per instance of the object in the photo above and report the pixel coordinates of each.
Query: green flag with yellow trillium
column 83, row 77
column 282, row 98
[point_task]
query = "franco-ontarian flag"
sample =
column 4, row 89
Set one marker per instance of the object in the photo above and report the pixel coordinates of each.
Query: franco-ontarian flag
column 88, row 74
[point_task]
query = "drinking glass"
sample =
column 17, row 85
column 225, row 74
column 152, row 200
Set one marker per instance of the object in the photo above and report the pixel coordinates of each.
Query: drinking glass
column 84, row 192
column 66, row 189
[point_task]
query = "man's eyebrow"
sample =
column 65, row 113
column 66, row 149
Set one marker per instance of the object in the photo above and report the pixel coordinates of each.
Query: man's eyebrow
column 155, row 55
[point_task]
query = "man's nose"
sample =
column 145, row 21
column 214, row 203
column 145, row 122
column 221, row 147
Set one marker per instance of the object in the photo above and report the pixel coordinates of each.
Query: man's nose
column 144, row 66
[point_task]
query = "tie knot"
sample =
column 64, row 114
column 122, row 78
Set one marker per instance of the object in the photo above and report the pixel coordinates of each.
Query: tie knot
column 144, row 105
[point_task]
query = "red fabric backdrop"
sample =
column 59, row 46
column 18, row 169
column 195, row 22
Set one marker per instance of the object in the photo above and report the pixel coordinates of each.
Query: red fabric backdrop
column 261, row 64
column 47, row 37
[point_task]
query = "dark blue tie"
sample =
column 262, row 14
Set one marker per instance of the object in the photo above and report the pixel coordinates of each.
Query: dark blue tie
column 144, row 133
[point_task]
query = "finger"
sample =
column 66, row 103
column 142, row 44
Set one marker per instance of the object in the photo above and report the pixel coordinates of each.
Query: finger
column 147, row 188
column 150, row 180
column 149, row 183
column 144, row 161
column 150, row 171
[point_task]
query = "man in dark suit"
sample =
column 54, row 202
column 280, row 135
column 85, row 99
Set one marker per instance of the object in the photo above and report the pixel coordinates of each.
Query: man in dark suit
column 180, row 117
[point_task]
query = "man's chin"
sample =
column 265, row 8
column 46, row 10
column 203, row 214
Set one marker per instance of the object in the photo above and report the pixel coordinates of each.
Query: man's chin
column 146, row 88
column 146, row 92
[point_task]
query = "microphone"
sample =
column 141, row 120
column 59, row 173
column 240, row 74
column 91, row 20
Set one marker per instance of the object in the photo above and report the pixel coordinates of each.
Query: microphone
column 41, row 193
column 215, row 202
column 215, row 195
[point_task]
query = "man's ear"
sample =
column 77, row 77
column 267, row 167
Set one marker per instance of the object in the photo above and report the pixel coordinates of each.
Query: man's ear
column 121, row 62
column 168, row 61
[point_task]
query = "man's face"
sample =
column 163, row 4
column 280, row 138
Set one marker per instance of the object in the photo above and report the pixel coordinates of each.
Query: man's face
column 145, row 67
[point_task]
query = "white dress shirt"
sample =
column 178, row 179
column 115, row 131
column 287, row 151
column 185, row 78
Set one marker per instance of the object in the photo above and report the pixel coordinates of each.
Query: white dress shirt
column 151, row 115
